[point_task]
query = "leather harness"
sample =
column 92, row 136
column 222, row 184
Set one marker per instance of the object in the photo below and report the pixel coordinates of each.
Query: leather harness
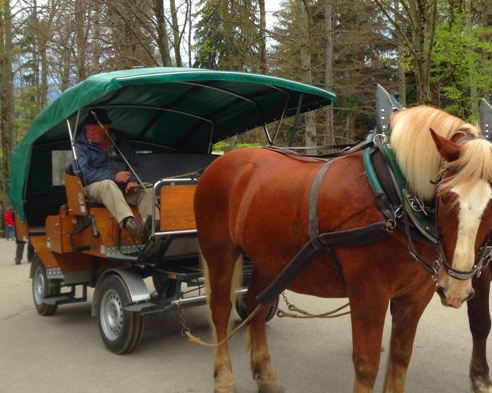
column 393, row 200
column 325, row 242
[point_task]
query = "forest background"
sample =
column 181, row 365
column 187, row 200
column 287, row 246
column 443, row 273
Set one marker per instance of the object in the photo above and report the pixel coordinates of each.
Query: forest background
column 436, row 52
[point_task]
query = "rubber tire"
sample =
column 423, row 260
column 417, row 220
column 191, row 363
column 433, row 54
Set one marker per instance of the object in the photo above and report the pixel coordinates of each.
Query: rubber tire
column 242, row 308
column 120, row 330
column 42, row 287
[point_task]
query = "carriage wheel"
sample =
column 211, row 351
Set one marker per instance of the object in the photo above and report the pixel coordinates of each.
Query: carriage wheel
column 120, row 330
column 242, row 308
column 42, row 287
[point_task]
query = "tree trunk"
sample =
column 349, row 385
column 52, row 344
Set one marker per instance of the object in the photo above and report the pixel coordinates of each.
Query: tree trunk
column 176, row 34
column 328, row 25
column 7, row 124
column 189, row 6
column 80, row 39
column 402, row 86
column 162, row 37
column 474, row 98
column 228, row 60
column 310, row 133
column 262, row 44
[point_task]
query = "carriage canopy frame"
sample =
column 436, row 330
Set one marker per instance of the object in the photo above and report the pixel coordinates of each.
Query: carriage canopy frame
column 181, row 110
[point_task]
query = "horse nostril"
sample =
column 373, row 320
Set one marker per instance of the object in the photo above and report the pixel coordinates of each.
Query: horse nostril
column 440, row 292
column 471, row 294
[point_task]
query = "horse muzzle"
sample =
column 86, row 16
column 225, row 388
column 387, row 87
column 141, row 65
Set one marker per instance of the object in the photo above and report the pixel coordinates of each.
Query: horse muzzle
column 455, row 297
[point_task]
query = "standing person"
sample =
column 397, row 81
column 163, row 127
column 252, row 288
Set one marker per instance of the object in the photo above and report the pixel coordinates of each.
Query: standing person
column 9, row 220
column 19, row 251
column 106, row 160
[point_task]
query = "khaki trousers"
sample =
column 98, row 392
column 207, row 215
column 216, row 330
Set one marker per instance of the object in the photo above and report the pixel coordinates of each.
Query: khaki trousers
column 117, row 202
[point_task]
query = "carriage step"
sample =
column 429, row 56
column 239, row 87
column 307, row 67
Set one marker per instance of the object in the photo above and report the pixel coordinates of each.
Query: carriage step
column 65, row 298
column 149, row 307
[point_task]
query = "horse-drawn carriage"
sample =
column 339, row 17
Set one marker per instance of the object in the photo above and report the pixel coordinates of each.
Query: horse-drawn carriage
column 336, row 214
column 172, row 117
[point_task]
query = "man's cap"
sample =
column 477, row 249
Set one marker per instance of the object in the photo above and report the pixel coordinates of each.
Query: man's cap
column 96, row 116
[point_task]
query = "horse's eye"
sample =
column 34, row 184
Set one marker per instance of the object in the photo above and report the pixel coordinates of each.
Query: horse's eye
column 443, row 200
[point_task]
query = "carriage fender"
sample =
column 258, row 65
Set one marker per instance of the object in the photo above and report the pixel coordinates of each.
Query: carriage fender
column 136, row 286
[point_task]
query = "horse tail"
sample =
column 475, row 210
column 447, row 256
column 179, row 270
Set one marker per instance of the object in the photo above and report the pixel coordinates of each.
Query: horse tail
column 236, row 283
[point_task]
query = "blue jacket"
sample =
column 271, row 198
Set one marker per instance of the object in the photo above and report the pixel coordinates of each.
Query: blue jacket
column 97, row 164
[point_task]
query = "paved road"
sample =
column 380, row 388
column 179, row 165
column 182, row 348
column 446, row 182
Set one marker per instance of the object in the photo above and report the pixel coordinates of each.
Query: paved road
column 64, row 352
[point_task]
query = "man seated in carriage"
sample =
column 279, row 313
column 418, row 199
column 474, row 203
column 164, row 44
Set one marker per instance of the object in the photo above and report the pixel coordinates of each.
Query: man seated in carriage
column 106, row 160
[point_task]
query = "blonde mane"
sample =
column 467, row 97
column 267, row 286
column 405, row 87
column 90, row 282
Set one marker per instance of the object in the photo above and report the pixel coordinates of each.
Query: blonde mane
column 474, row 162
column 417, row 155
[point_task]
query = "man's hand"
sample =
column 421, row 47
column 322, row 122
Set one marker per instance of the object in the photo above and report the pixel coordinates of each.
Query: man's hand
column 122, row 177
column 131, row 187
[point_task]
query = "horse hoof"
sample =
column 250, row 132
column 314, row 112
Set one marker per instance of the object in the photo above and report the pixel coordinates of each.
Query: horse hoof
column 225, row 390
column 271, row 389
column 482, row 385
column 225, row 384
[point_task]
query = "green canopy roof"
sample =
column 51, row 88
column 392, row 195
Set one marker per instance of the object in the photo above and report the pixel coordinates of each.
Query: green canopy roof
column 181, row 109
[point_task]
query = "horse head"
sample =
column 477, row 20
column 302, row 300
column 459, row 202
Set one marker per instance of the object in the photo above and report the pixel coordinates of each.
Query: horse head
column 464, row 213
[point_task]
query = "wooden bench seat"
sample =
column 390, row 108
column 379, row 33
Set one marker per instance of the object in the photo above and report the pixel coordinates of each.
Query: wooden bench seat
column 152, row 167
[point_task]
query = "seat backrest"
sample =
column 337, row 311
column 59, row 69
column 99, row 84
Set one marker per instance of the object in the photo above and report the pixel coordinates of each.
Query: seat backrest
column 76, row 199
column 176, row 207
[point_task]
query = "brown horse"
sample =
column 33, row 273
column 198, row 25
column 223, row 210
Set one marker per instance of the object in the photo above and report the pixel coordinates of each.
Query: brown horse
column 259, row 202
column 479, row 319
column 478, row 306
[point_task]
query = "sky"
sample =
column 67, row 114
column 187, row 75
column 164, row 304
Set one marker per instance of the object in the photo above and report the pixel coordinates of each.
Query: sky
column 270, row 7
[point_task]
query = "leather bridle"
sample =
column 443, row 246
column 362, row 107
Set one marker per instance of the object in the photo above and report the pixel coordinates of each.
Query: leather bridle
column 482, row 258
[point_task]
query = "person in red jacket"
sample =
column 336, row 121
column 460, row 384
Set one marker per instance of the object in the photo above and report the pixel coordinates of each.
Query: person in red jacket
column 9, row 220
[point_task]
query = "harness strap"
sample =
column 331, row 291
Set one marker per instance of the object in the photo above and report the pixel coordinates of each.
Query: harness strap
column 348, row 149
column 397, row 187
column 431, row 269
column 313, row 225
column 322, row 243
column 349, row 238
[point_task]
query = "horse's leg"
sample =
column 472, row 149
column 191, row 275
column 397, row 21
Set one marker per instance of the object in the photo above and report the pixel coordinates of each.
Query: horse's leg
column 479, row 320
column 265, row 375
column 368, row 311
column 406, row 312
column 220, row 278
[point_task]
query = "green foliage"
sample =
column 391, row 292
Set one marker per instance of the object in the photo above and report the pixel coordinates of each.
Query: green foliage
column 231, row 144
column 226, row 35
column 462, row 61
column 25, row 108
column 209, row 36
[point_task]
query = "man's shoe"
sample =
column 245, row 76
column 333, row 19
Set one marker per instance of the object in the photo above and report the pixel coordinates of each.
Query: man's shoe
column 147, row 227
column 17, row 262
column 139, row 230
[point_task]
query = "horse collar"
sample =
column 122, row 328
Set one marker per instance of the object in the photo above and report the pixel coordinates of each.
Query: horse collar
column 386, row 178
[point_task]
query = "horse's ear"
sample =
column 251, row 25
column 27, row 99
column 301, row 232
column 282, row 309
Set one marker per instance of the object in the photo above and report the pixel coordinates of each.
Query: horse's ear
column 449, row 150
